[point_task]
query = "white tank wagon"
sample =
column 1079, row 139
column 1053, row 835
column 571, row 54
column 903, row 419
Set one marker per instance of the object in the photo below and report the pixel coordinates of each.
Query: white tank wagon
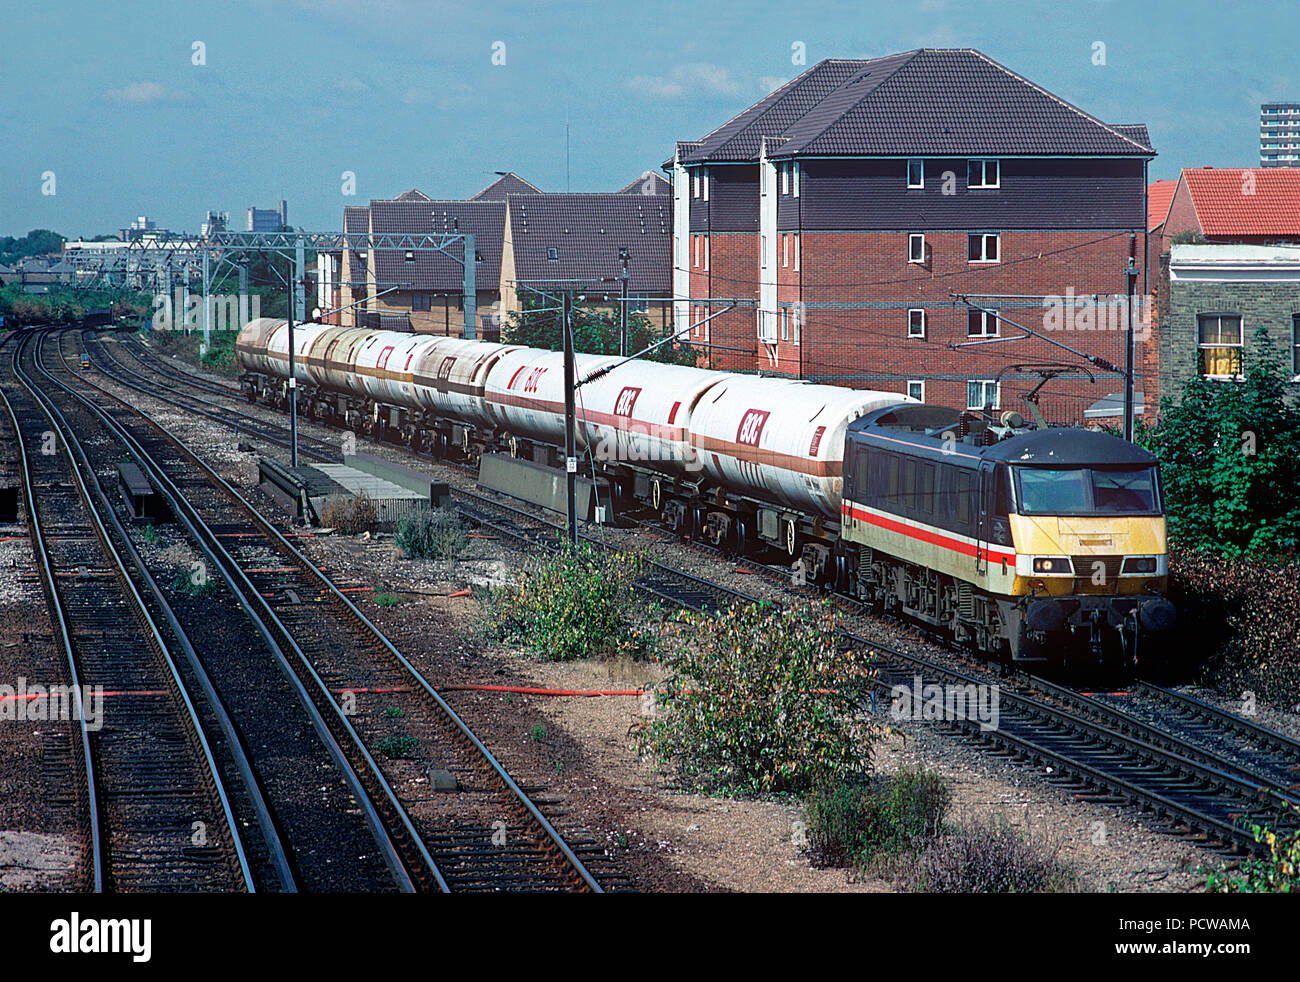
column 263, row 346
column 779, row 441
column 735, row 458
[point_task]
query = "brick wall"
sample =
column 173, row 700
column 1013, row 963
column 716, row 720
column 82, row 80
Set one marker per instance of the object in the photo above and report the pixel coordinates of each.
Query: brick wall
column 1266, row 305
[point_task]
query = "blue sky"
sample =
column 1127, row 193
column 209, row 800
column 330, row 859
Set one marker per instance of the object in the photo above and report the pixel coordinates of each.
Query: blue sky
column 405, row 94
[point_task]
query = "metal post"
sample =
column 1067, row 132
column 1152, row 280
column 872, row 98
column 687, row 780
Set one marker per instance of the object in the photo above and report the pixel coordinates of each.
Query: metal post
column 185, row 299
column 244, row 313
column 207, row 303
column 570, row 426
column 622, row 320
column 470, row 327
column 299, row 261
column 1129, row 339
column 293, row 389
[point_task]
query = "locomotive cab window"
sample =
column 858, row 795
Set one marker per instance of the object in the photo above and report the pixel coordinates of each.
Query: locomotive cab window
column 1088, row 491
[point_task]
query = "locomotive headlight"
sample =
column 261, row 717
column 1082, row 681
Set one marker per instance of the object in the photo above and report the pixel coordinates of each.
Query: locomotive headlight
column 1053, row 564
column 1145, row 565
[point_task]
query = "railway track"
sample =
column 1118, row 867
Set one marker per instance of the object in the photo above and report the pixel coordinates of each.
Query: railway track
column 491, row 835
column 1097, row 747
column 157, row 812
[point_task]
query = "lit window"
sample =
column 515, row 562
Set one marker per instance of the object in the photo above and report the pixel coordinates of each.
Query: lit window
column 983, row 174
column 982, row 394
column 916, row 322
column 916, row 389
column 983, row 247
column 916, row 248
column 982, row 324
column 916, row 173
column 1219, row 344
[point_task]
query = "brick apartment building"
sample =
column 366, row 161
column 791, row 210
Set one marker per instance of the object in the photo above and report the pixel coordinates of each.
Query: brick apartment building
column 850, row 211
column 521, row 236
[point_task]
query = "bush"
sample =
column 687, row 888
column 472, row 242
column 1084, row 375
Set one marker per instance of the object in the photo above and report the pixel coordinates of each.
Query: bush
column 850, row 823
column 1279, row 872
column 349, row 515
column 437, row 534
column 1240, row 621
column 572, row 606
column 761, row 700
column 986, row 857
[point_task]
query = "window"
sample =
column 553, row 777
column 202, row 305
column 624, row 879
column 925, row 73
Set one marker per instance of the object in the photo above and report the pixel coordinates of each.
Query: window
column 983, row 247
column 695, row 250
column 796, row 313
column 916, row 173
column 925, row 488
column 916, row 248
column 704, row 182
column 705, row 240
column 982, row 394
column 907, row 487
column 982, row 174
column 785, row 178
column 982, row 324
column 697, row 184
column 1295, row 345
column 420, row 301
column 916, row 322
column 785, row 250
column 796, row 252
column 1220, row 345
column 794, row 179
column 552, row 255
column 963, row 496
column 916, row 389
column 1087, row 491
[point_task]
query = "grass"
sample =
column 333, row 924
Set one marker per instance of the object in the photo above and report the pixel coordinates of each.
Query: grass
column 397, row 747
column 385, row 599
column 184, row 581
column 437, row 534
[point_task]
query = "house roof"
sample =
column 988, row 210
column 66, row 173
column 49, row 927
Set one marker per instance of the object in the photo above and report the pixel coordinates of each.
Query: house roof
column 1160, row 194
column 1232, row 201
column 507, row 183
column 413, row 195
column 586, row 231
column 356, row 218
column 927, row 102
column 655, row 183
column 432, row 270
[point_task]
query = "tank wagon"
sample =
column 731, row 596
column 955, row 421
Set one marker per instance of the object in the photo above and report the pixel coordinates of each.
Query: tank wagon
column 1029, row 544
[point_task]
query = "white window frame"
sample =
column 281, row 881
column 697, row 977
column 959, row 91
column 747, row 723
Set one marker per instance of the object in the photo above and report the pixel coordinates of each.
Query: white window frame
column 795, row 236
column 919, row 162
column 796, row 329
column 984, row 247
column 695, row 250
column 704, row 181
column 705, row 238
column 696, row 186
column 984, row 184
column 916, row 381
column 785, row 178
column 794, row 180
column 987, row 317
column 785, row 326
column 785, row 251
column 910, row 312
column 1240, row 346
column 984, row 383
column 913, row 237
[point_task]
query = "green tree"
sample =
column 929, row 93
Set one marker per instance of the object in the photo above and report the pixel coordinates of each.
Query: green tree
column 1230, row 458
column 595, row 331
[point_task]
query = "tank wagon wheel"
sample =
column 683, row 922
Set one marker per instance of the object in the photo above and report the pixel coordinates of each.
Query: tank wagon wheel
column 697, row 520
column 656, row 496
column 740, row 538
column 840, row 577
column 514, row 447
column 791, row 538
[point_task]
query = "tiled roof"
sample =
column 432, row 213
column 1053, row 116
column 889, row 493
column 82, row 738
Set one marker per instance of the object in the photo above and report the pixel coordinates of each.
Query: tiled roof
column 1245, row 200
column 356, row 218
column 1134, row 131
column 507, row 183
column 413, row 195
column 927, row 102
column 586, row 232
column 1159, row 196
column 432, row 270
column 656, row 183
